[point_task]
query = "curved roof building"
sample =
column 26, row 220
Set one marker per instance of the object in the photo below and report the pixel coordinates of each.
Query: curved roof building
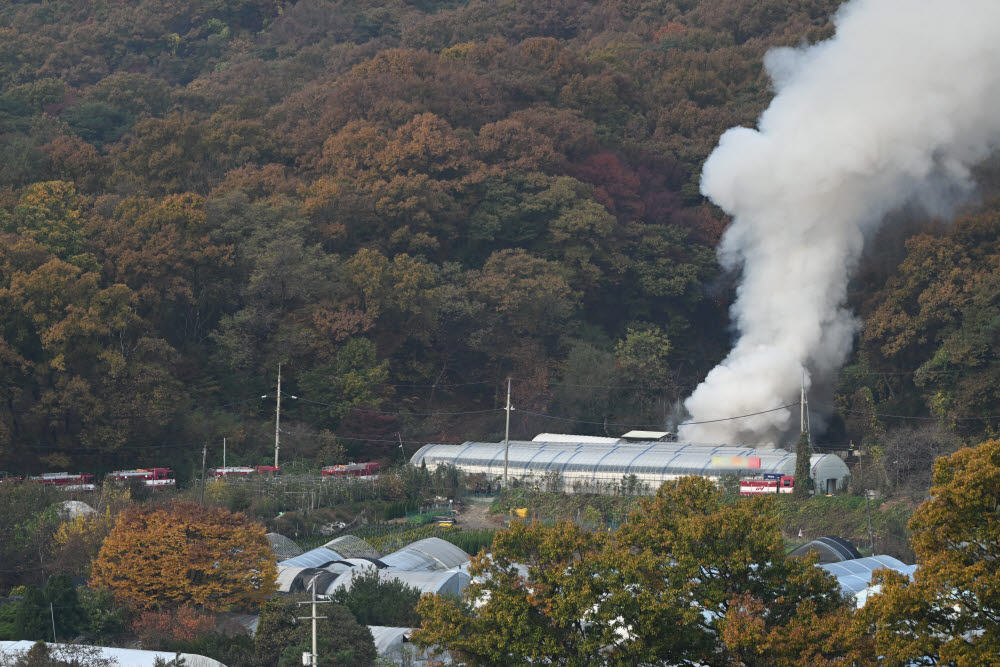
column 855, row 576
column 72, row 653
column 829, row 550
column 318, row 557
column 282, row 547
column 352, row 546
column 451, row 582
column 589, row 466
column 430, row 554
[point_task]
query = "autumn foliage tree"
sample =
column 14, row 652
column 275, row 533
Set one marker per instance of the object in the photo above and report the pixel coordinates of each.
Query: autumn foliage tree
column 184, row 553
column 185, row 623
column 949, row 612
column 685, row 581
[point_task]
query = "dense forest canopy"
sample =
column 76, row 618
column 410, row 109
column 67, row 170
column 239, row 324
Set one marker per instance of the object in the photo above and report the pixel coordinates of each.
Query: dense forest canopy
column 406, row 203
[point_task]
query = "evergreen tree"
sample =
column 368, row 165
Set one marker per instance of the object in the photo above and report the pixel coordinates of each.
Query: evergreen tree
column 32, row 620
column 61, row 593
column 802, row 454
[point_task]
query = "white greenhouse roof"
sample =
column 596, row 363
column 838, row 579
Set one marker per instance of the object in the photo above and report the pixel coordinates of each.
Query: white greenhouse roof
column 352, row 546
column 565, row 437
column 855, row 576
column 646, row 435
column 122, row 656
column 394, row 644
column 282, row 547
column 317, row 557
column 387, row 638
column 432, row 553
column 648, row 460
column 451, row 582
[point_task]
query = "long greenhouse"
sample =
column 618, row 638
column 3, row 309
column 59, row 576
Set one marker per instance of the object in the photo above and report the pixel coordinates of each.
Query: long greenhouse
column 586, row 466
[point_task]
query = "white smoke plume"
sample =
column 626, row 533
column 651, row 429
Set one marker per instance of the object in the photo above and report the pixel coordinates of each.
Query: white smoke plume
column 893, row 110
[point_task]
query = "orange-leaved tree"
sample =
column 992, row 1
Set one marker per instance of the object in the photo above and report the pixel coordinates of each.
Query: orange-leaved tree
column 179, row 553
column 949, row 612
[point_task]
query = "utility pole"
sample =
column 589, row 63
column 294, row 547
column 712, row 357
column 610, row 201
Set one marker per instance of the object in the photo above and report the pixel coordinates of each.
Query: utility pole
column 314, row 656
column 802, row 403
column 868, row 511
column 506, row 437
column 204, row 455
column 277, row 418
column 804, row 408
column 402, row 451
column 277, row 424
column 223, row 453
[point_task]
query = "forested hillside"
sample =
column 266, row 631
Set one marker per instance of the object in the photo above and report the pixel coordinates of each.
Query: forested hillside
column 406, row 203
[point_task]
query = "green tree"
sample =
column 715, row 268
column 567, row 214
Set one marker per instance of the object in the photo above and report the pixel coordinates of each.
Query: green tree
column 32, row 620
column 62, row 595
column 377, row 601
column 803, row 453
column 102, row 615
column 281, row 638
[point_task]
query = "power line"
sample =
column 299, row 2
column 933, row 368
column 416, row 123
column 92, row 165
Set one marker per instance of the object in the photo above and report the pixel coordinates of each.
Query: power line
column 687, row 423
column 414, row 385
column 402, row 414
column 392, row 440
column 888, row 416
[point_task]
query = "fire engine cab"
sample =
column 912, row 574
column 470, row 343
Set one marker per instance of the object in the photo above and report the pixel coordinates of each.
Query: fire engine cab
column 68, row 481
column 771, row 482
column 367, row 469
column 155, row 477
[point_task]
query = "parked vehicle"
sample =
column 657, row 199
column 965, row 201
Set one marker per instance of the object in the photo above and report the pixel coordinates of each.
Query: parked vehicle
column 367, row 469
column 153, row 477
column 770, row 483
column 67, row 481
column 246, row 471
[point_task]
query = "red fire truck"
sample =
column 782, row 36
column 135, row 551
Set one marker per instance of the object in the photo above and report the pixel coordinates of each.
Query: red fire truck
column 154, row 477
column 245, row 471
column 367, row 469
column 67, row 481
column 771, row 482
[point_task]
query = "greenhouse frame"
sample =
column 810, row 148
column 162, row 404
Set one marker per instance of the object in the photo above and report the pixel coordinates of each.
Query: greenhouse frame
column 585, row 466
column 451, row 582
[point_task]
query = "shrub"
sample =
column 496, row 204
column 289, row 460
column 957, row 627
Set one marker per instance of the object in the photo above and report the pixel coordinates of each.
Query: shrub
column 156, row 629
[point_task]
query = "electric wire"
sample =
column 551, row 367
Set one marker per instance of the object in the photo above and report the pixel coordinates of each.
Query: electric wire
column 390, row 412
column 687, row 423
